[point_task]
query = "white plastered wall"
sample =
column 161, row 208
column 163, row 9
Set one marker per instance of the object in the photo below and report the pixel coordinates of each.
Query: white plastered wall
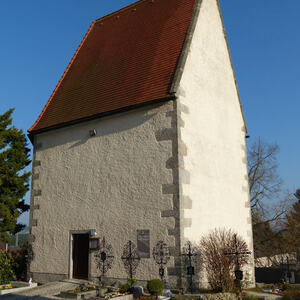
column 213, row 132
column 111, row 183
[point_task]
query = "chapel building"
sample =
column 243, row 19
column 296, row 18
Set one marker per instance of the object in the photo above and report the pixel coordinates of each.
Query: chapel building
column 143, row 139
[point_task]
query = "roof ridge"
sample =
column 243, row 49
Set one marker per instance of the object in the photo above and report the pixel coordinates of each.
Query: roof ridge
column 122, row 9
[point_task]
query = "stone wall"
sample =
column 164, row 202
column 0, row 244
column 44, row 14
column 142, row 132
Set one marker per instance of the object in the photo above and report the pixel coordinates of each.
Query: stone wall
column 121, row 180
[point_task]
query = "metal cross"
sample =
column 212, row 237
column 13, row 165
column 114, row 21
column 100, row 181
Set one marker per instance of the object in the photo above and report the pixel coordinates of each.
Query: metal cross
column 130, row 258
column 190, row 253
column 104, row 258
column 161, row 255
column 236, row 252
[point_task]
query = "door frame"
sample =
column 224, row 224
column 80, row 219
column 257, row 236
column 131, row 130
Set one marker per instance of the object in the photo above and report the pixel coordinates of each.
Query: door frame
column 71, row 244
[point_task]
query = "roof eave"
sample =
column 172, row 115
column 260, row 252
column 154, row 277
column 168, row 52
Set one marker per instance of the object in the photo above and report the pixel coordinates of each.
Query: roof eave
column 32, row 133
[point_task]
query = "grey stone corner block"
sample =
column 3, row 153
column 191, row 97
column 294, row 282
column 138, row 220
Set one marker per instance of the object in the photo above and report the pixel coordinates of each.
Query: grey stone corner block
column 37, row 193
column 175, row 231
column 37, row 163
column 165, row 134
column 169, row 188
column 172, row 163
column 170, row 213
column 35, row 176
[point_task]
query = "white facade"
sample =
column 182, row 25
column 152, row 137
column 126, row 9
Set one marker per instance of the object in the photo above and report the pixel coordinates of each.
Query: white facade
column 178, row 169
column 213, row 132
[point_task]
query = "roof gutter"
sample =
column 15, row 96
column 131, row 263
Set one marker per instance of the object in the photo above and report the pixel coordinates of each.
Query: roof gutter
column 31, row 134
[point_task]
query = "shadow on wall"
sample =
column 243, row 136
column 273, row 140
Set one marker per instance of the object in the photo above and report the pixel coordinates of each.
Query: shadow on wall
column 107, row 125
column 105, row 130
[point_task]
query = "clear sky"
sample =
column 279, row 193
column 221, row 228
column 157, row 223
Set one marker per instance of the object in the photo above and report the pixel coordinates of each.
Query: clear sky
column 39, row 37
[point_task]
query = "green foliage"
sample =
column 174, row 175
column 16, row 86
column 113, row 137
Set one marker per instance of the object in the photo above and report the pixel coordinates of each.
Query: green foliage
column 14, row 157
column 286, row 286
column 155, row 287
column 124, row 288
column 127, row 286
column 292, row 225
column 6, row 273
column 131, row 281
column 291, row 295
column 19, row 262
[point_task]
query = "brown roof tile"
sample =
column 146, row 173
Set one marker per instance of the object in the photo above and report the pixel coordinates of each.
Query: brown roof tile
column 126, row 59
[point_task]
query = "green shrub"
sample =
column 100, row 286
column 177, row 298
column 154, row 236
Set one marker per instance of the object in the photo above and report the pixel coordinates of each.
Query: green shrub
column 19, row 263
column 124, row 288
column 131, row 281
column 291, row 295
column 6, row 273
column 155, row 287
column 286, row 286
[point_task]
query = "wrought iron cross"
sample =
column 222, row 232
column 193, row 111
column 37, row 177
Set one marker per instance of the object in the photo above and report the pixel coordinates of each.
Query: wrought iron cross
column 236, row 253
column 189, row 253
column 130, row 258
column 104, row 257
column 161, row 255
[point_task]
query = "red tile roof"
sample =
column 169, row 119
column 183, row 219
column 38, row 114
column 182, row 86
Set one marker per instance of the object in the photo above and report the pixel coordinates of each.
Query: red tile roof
column 127, row 58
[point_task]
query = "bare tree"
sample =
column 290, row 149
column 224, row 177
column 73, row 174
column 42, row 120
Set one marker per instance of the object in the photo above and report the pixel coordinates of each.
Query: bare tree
column 269, row 203
column 218, row 264
column 264, row 181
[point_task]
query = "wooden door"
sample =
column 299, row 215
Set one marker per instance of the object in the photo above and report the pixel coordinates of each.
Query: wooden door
column 81, row 256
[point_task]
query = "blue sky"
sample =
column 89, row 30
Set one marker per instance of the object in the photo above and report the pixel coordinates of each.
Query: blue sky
column 39, row 37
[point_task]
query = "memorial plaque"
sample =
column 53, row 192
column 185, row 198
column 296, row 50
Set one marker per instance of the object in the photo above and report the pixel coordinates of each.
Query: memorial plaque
column 143, row 243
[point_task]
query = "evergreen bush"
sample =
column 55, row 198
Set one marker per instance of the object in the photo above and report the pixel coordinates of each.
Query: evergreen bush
column 286, row 286
column 6, row 273
column 155, row 287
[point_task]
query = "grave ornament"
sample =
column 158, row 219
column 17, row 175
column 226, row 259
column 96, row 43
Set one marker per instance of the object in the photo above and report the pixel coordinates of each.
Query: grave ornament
column 130, row 258
column 161, row 255
column 104, row 257
column 189, row 253
column 239, row 256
